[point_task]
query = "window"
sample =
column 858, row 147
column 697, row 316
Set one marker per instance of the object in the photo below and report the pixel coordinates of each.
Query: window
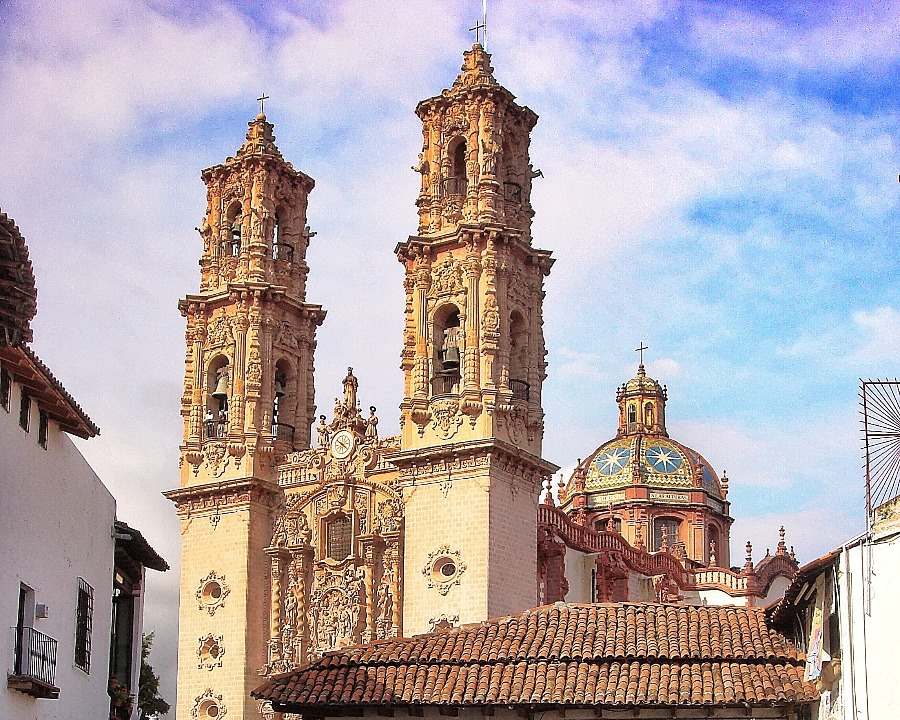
column 632, row 414
column 43, row 429
column 665, row 528
column 4, row 389
column 84, row 613
column 337, row 538
column 25, row 411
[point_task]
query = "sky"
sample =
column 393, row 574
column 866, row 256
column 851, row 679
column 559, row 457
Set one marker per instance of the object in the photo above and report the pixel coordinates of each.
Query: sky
column 720, row 182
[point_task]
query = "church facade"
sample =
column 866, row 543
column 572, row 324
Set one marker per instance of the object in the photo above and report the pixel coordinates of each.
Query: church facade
column 303, row 533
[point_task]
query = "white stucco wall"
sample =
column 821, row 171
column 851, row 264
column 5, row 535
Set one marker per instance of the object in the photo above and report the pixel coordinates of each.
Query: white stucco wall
column 869, row 588
column 55, row 526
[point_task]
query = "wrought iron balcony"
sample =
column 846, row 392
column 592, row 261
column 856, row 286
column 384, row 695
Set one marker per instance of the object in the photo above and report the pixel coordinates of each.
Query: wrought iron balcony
column 282, row 251
column 445, row 383
column 215, row 429
column 283, row 433
column 456, row 187
column 520, row 389
column 35, row 664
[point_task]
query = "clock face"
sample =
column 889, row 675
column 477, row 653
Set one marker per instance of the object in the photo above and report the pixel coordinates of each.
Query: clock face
column 342, row 444
column 612, row 461
column 663, row 459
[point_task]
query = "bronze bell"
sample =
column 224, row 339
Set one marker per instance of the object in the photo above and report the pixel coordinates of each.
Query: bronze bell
column 451, row 358
column 279, row 388
column 221, row 391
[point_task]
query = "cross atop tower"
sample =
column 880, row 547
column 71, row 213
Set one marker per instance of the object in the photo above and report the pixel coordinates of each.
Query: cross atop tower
column 262, row 103
column 641, row 351
column 480, row 28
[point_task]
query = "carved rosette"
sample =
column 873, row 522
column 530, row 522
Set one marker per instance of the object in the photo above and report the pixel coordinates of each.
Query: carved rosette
column 212, row 592
column 210, row 650
column 443, row 569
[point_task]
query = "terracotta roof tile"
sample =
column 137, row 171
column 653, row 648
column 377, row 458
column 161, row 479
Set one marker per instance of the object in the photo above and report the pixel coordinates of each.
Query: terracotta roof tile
column 570, row 655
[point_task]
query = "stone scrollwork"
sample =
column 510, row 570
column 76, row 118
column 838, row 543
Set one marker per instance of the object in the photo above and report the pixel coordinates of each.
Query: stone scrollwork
column 445, row 418
column 217, row 458
column 210, row 650
column 208, row 706
column 291, row 525
column 212, row 592
column 334, row 614
column 443, row 569
column 447, row 277
column 388, row 516
column 218, row 333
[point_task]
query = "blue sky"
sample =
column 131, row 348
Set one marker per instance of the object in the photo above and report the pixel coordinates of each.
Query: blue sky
column 720, row 182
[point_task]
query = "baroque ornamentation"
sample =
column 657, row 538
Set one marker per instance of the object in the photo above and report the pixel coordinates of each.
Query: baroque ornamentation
column 212, row 592
column 445, row 418
column 447, row 277
column 291, row 525
column 334, row 615
column 443, row 569
column 218, row 332
column 208, row 706
column 388, row 516
column 216, row 456
column 210, row 650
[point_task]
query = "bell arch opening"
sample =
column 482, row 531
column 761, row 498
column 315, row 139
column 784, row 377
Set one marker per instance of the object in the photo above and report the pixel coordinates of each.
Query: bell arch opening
column 456, row 183
column 283, row 402
column 234, row 217
column 218, row 389
column 447, row 360
column 518, row 356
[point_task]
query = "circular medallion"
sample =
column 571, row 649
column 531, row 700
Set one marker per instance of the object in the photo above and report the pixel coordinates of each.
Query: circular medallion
column 663, row 459
column 342, row 444
column 612, row 461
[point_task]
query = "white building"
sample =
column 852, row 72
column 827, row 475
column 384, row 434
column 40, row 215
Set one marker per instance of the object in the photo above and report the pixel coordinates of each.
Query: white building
column 70, row 575
column 842, row 609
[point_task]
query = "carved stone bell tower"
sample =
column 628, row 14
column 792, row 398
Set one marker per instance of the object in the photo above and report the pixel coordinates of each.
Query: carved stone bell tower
column 248, row 399
column 473, row 359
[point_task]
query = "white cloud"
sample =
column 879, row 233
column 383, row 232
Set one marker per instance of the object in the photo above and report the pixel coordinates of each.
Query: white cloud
column 840, row 37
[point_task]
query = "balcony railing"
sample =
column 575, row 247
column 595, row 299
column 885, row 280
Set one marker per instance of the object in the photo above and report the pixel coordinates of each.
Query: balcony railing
column 215, row 429
column 35, row 664
column 444, row 383
column 282, row 251
column 455, row 186
column 520, row 389
column 283, row 432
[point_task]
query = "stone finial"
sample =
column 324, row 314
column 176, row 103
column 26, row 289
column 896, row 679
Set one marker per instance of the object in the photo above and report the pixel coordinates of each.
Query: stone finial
column 724, row 484
column 548, row 496
column 748, row 564
column 260, row 139
column 561, row 489
column 476, row 69
column 793, row 557
column 639, row 537
column 782, row 548
column 664, row 544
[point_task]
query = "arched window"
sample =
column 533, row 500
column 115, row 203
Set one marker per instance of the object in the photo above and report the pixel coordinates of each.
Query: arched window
column 648, row 414
column 668, row 528
column 282, row 417
column 281, row 249
column 601, row 524
column 518, row 356
column 456, row 182
column 632, row 413
column 338, row 538
column 219, row 390
column 447, row 346
column 231, row 247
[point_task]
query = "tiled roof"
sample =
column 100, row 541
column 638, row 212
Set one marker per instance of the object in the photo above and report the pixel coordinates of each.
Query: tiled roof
column 18, row 296
column 572, row 655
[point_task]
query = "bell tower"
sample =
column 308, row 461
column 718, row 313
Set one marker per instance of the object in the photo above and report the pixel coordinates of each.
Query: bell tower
column 248, row 400
column 473, row 359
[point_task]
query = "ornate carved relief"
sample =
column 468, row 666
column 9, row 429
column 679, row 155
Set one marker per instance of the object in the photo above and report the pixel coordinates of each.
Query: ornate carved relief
column 443, row 569
column 447, row 278
column 212, row 592
column 445, row 418
column 334, row 616
column 210, row 650
column 208, row 706
column 216, row 456
column 218, row 333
